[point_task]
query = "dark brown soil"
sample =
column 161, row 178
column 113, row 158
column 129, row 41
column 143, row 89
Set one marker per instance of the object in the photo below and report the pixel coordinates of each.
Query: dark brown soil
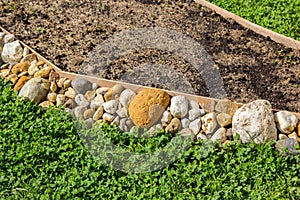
column 65, row 32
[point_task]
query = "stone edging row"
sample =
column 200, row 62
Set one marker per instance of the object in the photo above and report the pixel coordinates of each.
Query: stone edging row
column 144, row 108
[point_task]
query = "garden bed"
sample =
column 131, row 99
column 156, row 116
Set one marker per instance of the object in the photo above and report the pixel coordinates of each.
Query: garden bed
column 252, row 66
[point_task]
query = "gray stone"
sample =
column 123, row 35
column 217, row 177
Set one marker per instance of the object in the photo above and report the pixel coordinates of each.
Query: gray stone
column 81, row 85
column 194, row 113
column 194, row 105
column 209, row 123
column 122, row 112
column 185, row 122
column 81, row 100
column 153, row 131
column 201, row 136
column 286, row 121
column 116, row 121
column 126, row 97
column 111, row 106
column 220, row 135
column 12, row 52
column 195, row 126
column 179, row 106
column 9, row 38
column 255, row 121
column 282, row 136
column 186, row 132
column 287, row 146
column 79, row 111
column 35, row 89
column 166, row 118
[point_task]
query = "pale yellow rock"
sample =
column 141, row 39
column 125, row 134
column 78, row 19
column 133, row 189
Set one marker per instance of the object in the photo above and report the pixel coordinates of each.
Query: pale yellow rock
column 52, row 97
column 70, row 93
column 90, row 95
column 67, row 83
column 20, row 67
column 46, row 104
column 13, row 78
column 174, row 126
column 43, row 73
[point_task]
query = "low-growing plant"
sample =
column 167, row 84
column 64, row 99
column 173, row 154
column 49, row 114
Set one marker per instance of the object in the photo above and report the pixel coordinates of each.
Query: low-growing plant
column 42, row 156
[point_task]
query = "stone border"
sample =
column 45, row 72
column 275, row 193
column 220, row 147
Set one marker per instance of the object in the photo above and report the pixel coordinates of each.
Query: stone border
column 279, row 38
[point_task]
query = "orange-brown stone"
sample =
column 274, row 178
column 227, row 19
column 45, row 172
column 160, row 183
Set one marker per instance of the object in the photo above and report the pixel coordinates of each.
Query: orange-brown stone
column 147, row 107
column 20, row 67
column 298, row 128
column 21, row 82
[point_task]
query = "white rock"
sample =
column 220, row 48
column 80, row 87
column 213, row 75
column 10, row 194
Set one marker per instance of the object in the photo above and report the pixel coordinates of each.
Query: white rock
column 79, row 111
column 220, row 134
column 286, row 121
column 166, row 117
column 9, row 38
column 201, row 136
column 111, row 106
column 186, row 132
column 209, row 123
column 194, row 105
column 108, row 117
column 255, row 121
column 195, row 126
column 282, row 136
column 185, row 122
column 12, row 52
column 33, row 68
column 194, row 113
column 179, row 106
column 81, row 100
column 126, row 97
column 122, row 112
column 116, row 121
column 35, row 89
column 70, row 93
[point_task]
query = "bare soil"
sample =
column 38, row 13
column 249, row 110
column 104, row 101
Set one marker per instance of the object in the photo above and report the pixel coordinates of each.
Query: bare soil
column 65, row 32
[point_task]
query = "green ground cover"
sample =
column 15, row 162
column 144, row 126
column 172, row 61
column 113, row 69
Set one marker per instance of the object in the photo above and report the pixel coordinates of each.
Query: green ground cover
column 43, row 157
column 281, row 16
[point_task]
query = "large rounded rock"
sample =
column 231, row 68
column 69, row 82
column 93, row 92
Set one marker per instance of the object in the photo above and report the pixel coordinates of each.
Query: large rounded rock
column 179, row 106
column 255, row 121
column 286, row 121
column 35, row 89
column 81, row 85
column 12, row 52
column 147, row 107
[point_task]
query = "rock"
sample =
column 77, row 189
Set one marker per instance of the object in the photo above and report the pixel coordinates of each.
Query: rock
column 153, row 131
column 28, row 58
column 12, row 52
column 81, row 100
column 22, row 74
column 255, row 121
column 186, row 132
column 286, row 121
column 52, row 97
column 147, row 107
column 102, row 90
column 225, row 109
column 98, row 114
column 209, row 123
column 67, row 83
column 194, row 113
column 111, row 106
column 4, row 66
column 99, row 99
column 179, row 106
column 224, row 119
column 174, row 126
column 46, row 104
column 90, row 95
column 81, row 85
column 89, row 123
column 69, row 103
column 13, row 78
column 166, row 118
column 70, row 93
column 282, row 136
column 226, row 142
column 220, row 135
column 53, row 87
column 33, row 68
column 129, row 123
column 59, row 81
column 94, row 105
column 94, row 86
column 21, row 82
column 88, row 113
column 126, row 97
column 35, row 89
column 114, row 92
column 294, row 136
column 195, row 126
column 60, row 100
column 9, row 38
column 4, row 72
column 229, row 132
column 287, row 146
column 108, row 117
column 185, row 122
column 122, row 125
column 26, row 52
column 53, row 76
column 298, row 129
column 116, row 121
column 79, row 111
column 194, row 105
column 122, row 112
column 201, row 136
column 20, row 67
column 43, row 73
column 209, row 106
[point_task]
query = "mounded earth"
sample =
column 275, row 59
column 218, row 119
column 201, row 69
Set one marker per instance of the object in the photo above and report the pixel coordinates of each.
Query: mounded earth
column 67, row 32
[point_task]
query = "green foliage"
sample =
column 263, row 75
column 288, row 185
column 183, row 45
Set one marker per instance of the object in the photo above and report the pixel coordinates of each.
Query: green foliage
column 278, row 15
column 43, row 157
